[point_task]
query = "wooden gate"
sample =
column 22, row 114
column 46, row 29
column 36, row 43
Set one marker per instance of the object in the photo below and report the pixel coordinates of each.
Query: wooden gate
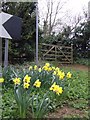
column 62, row 54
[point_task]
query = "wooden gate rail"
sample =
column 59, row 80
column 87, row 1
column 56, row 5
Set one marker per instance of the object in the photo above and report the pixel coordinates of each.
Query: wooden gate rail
column 62, row 54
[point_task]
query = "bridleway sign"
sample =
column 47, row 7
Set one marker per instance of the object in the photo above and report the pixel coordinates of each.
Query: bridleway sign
column 10, row 28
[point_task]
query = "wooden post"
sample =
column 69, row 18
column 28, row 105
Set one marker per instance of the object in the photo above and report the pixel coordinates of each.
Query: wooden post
column 55, row 53
column 72, row 53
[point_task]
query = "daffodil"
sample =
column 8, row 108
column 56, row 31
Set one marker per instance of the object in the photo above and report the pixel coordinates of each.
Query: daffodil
column 45, row 68
column 62, row 75
column 68, row 75
column 53, row 68
column 1, row 80
column 54, row 73
column 26, row 85
column 27, row 79
column 16, row 81
column 49, row 69
column 39, row 69
column 35, row 67
column 58, row 90
column 53, row 86
column 59, row 73
column 57, row 69
column 47, row 64
column 30, row 68
column 37, row 83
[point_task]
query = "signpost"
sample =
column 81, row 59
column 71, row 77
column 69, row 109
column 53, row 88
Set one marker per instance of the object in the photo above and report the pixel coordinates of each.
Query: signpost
column 6, row 54
column 10, row 28
column 0, row 57
column 37, row 33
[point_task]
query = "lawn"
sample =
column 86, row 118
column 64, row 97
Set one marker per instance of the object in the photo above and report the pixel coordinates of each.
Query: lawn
column 73, row 103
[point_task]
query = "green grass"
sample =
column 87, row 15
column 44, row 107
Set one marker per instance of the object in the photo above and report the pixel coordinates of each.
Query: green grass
column 82, row 61
column 9, row 107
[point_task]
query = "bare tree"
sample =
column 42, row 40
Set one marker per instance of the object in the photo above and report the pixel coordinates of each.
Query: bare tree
column 53, row 9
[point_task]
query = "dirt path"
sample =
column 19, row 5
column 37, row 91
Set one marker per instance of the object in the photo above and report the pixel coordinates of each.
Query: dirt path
column 67, row 111
column 76, row 67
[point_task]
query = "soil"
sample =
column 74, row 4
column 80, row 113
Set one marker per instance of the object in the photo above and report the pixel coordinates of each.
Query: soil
column 66, row 111
column 75, row 66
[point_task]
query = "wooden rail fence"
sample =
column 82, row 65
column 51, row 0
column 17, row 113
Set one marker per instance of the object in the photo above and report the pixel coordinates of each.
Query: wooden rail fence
column 62, row 54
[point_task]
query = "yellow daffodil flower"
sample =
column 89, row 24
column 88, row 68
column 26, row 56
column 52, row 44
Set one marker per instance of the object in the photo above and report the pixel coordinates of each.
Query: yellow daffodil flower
column 49, row 69
column 1, row 80
column 47, row 64
column 27, row 79
column 35, row 67
column 58, row 90
column 39, row 69
column 62, row 75
column 53, row 86
column 59, row 73
column 16, row 81
column 26, row 85
column 68, row 75
column 54, row 73
column 30, row 68
column 53, row 68
column 45, row 68
column 37, row 83
column 57, row 69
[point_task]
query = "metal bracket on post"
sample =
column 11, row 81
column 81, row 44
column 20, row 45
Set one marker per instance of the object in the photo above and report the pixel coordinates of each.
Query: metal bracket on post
column 6, row 54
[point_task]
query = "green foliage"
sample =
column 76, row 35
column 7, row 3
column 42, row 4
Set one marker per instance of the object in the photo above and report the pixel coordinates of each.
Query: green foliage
column 77, row 86
column 9, row 106
column 82, row 61
column 75, row 93
column 40, row 106
column 79, row 104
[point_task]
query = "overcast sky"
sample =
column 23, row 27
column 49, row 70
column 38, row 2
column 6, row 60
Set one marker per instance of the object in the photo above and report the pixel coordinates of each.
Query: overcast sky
column 68, row 15
column 73, row 7
column 76, row 6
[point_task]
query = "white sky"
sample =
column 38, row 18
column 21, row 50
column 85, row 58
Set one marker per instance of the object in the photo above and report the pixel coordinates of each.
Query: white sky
column 71, row 8
column 76, row 6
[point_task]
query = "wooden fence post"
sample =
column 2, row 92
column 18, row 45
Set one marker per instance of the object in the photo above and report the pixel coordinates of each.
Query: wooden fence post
column 72, row 53
column 55, row 53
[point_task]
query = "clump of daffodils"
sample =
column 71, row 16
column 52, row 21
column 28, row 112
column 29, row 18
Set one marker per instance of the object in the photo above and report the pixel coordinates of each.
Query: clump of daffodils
column 47, row 78
column 47, row 69
column 59, row 73
column 26, row 82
